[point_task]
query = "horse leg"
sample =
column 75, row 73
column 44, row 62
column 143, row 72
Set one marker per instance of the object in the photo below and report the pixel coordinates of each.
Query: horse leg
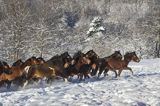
column 80, row 77
column 49, row 80
column 2, row 83
column 100, row 71
column 70, row 78
column 105, row 72
column 115, row 73
column 94, row 71
column 119, row 72
column 8, row 84
column 88, row 76
column 130, row 70
column 28, row 79
column 65, row 79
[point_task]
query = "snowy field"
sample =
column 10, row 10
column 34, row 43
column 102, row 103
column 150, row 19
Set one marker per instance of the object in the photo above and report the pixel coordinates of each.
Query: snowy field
column 142, row 89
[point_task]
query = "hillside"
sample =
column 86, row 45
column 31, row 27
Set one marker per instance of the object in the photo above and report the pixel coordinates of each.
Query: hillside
column 48, row 27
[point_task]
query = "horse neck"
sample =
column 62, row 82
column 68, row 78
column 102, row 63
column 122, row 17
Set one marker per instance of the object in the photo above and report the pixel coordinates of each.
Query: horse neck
column 78, row 63
column 23, row 65
column 127, row 60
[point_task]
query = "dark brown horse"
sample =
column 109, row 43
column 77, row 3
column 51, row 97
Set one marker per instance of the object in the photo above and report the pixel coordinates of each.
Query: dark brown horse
column 94, row 61
column 120, row 65
column 103, row 63
column 79, row 59
column 85, row 69
column 59, row 63
column 4, row 68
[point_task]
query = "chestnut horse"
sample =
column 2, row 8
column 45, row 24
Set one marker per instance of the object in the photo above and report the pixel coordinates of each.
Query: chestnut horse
column 104, row 63
column 120, row 65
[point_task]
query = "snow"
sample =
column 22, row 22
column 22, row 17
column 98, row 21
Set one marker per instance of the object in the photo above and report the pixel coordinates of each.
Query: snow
column 141, row 89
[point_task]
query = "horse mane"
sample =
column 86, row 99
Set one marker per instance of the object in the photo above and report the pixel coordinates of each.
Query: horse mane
column 128, row 54
column 77, row 54
column 90, row 51
column 55, row 57
column 18, row 61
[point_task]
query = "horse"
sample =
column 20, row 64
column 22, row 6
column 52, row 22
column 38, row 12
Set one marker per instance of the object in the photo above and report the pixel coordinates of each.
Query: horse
column 18, row 72
column 40, row 71
column 60, row 63
column 50, row 69
column 120, row 65
column 104, row 63
column 94, row 61
column 4, row 69
column 79, row 59
column 85, row 69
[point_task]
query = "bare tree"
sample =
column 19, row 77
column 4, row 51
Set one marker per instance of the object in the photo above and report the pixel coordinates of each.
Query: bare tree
column 16, row 21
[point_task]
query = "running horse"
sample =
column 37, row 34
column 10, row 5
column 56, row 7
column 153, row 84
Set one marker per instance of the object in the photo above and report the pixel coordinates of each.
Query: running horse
column 120, row 65
column 79, row 59
column 18, row 72
column 4, row 69
column 85, row 69
column 50, row 69
column 103, row 63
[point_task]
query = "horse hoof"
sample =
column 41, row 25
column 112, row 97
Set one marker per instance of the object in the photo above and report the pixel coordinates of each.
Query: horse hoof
column 65, row 80
column 25, row 84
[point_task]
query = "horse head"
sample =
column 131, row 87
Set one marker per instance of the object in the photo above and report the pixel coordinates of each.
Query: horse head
column 131, row 56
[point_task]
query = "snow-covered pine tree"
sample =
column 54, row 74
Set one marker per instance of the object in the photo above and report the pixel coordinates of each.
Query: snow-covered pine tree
column 96, row 26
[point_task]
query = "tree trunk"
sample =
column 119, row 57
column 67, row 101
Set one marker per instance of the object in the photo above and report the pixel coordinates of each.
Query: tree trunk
column 158, row 47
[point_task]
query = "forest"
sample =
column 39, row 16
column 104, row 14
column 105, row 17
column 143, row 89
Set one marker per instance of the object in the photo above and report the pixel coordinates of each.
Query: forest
column 49, row 27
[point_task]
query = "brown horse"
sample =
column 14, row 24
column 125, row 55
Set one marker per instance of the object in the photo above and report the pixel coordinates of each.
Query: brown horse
column 40, row 71
column 4, row 69
column 85, row 69
column 103, row 63
column 50, row 69
column 79, row 59
column 120, row 65
column 17, row 72
column 94, row 61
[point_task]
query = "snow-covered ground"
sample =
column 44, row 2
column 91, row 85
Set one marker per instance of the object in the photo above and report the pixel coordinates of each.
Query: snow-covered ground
column 142, row 89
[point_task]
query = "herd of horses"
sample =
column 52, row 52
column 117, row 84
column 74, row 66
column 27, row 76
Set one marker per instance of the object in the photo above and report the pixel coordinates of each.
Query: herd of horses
column 83, row 65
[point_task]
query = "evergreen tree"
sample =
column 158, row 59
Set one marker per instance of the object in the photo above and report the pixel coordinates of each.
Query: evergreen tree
column 96, row 26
